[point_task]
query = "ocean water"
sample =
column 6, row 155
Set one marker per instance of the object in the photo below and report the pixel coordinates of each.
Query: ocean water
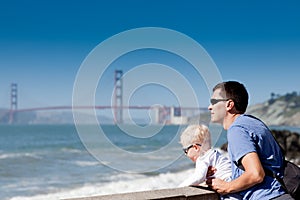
column 55, row 162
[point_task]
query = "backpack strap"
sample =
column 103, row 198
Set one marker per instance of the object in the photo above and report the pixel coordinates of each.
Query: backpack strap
column 279, row 179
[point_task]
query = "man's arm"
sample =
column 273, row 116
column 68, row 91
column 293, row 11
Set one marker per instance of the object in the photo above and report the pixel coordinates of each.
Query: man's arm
column 254, row 174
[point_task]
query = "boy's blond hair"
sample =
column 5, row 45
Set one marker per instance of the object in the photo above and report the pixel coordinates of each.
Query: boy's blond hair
column 196, row 134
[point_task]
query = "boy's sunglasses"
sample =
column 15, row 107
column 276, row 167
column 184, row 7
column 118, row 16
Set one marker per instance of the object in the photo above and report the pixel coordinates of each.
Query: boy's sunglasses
column 185, row 150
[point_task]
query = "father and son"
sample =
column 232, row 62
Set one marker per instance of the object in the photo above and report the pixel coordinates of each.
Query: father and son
column 251, row 149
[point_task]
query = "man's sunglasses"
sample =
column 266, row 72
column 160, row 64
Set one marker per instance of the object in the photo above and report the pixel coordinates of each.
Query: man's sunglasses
column 214, row 101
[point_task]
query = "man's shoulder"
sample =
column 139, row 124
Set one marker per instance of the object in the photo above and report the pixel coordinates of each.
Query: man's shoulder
column 249, row 118
column 246, row 121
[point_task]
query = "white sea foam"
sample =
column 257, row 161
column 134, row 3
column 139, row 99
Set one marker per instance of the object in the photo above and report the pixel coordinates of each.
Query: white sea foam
column 70, row 150
column 18, row 155
column 121, row 183
column 86, row 163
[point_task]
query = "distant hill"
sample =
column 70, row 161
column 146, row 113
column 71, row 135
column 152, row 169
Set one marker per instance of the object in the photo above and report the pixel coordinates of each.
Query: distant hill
column 278, row 110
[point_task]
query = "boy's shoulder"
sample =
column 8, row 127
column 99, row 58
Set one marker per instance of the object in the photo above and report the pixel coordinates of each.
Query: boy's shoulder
column 214, row 154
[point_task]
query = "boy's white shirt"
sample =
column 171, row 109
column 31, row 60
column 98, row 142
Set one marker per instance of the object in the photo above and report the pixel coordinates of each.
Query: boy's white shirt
column 211, row 158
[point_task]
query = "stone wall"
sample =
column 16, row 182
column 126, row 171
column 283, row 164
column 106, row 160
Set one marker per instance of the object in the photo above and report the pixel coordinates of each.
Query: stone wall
column 190, row 193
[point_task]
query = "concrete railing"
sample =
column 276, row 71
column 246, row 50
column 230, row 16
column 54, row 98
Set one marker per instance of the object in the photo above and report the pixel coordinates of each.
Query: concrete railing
column 190, row 193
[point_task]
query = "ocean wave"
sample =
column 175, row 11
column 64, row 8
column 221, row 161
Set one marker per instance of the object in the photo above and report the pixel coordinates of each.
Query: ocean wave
column 121, row 183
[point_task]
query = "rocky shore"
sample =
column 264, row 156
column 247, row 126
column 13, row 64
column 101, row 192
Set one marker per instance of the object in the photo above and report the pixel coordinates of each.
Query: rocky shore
column 290, row 143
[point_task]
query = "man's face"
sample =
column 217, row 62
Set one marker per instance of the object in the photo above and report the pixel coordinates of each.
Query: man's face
column 218, row 108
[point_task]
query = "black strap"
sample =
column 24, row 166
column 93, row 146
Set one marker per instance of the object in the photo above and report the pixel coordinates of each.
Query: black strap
column 274, row 175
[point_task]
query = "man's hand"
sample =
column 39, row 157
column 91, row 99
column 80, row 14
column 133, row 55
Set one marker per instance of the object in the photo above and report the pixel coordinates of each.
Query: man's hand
column 218, row 185
column 210, row 171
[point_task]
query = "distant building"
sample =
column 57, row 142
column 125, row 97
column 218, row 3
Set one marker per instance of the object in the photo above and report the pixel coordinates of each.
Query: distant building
column 168, row 115
column 176, row 117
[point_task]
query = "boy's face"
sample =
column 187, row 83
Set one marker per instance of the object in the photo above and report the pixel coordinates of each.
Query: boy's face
column 193, row 152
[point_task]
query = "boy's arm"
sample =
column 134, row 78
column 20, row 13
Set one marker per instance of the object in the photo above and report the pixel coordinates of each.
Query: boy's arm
column 198, row 176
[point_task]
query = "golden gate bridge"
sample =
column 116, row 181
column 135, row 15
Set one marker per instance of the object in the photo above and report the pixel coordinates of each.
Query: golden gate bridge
column 162, row 113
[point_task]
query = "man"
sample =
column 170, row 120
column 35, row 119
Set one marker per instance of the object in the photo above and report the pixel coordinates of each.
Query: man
column 251, row 146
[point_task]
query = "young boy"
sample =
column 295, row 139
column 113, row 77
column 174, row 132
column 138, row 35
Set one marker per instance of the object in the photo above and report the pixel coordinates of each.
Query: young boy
column 196, row 142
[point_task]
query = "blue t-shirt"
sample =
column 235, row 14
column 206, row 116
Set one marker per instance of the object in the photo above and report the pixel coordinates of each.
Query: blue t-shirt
column 248, row 134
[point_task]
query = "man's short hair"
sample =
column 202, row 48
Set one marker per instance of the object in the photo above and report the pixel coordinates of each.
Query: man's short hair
column 236, row 92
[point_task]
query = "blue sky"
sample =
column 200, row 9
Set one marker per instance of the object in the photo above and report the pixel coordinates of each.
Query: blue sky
column 43, row 43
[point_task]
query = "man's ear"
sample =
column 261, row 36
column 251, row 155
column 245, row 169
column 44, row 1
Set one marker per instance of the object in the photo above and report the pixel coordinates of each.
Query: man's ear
column 229, row 104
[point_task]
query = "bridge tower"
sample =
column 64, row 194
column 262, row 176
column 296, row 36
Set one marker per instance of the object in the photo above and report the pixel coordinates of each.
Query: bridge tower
column 13, row 102
column 118, row 97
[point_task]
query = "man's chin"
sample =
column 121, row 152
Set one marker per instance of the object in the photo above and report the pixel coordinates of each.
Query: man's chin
column 212, row 120
column 215, row 121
